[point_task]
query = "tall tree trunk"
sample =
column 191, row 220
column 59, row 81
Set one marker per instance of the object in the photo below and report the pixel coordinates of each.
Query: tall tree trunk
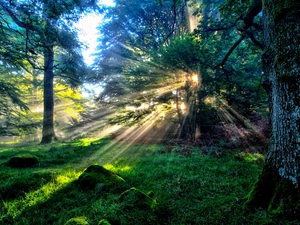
column 278, row 185
column 191, row 19
column 48, row 134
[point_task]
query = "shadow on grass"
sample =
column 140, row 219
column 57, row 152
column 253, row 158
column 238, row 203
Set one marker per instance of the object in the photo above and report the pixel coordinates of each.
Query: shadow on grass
column 16, row 185
column 71, row 201
column 52, row 209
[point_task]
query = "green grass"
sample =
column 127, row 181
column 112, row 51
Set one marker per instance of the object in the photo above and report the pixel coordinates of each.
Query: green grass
column 193, row 189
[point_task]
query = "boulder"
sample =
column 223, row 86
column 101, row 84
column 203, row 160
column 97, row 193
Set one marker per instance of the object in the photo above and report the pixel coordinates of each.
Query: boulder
column 23, row 161
column 101, row 179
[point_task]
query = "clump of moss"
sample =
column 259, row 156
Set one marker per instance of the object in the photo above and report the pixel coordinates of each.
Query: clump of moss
column 77, row 221
column 99, row 178
column 104, row 222
column 23, row 161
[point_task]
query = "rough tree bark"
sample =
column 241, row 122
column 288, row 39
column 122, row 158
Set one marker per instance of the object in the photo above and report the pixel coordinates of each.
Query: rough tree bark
column 277, row 187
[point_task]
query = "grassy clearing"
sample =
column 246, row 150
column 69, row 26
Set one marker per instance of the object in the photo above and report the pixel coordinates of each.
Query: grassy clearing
column 177, row 189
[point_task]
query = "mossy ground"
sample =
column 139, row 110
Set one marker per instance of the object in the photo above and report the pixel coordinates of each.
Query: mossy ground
column 193, row 189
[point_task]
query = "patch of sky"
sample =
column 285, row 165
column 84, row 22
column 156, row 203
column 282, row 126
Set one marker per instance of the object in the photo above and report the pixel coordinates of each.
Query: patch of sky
column 88, row 35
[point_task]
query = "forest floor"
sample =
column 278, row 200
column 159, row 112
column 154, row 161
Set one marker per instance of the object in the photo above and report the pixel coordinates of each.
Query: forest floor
column 204, row 181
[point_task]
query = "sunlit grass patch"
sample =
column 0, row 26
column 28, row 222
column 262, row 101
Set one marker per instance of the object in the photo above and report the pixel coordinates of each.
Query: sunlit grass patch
column 116, row 169
column 251, row 157
column 67, row 177
column 254, row 157
column 85, row 142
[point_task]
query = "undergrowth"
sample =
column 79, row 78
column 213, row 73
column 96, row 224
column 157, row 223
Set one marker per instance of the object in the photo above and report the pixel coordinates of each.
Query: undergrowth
column 197, row 188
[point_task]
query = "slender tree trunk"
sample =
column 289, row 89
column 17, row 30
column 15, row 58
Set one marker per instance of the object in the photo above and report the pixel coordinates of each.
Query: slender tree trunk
column 278, row 185
column 191, row 20
column 48, row 134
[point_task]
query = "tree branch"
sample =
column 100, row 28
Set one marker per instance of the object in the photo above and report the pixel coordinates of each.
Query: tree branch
column 252, row 12
column 256, row 42
column 230, row 51
column 68, row 77
column 174, row 20
column 15, row 19
column 218, row 28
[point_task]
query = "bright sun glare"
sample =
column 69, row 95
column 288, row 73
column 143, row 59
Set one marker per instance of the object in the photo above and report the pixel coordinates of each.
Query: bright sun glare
column 88, row 35
column 89, row 32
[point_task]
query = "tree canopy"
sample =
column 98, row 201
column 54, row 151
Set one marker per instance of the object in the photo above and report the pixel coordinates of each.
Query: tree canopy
column 44, row 31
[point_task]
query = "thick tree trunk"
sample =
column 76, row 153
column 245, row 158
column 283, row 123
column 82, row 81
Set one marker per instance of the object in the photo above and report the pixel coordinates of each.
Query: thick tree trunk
column 48, row 134
column 278, row 185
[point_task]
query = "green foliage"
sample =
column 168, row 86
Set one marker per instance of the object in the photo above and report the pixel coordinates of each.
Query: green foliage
column 182, row 53
column 237, row 76
column 131, row 31
column 47, row 42
column 141, row 25
column 10, row 94
column 12, row 105
column 206, row 117
column 235, row 6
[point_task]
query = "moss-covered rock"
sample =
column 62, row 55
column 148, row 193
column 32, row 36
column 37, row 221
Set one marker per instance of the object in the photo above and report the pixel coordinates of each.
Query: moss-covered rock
column 104, row 222
column 135, row 198
column 101, row 179
column 23, row 161
column 77, row 221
